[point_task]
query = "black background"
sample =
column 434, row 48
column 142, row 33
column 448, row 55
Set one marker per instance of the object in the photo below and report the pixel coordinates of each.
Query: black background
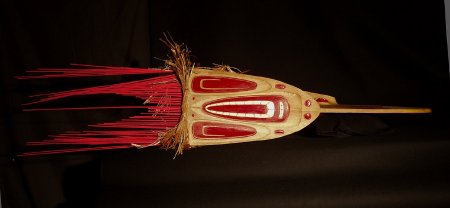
column 371, row 52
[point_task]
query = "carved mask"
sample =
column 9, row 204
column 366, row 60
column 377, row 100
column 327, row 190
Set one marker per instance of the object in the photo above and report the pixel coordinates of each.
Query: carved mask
column 227, row 107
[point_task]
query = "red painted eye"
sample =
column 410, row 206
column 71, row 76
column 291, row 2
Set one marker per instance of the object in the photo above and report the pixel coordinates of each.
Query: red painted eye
column 264, row 108
column 217, row 84
column 215, row 130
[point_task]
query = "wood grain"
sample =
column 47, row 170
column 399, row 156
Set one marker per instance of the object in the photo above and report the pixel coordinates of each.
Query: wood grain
column 370, row 109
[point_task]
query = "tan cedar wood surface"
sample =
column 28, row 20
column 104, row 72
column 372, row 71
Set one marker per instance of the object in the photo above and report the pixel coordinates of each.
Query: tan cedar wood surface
column 266, row 86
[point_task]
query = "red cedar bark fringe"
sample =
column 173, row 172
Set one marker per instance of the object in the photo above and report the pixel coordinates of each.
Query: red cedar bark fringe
column 89, row 71
column 163, row 125
column 162, row 96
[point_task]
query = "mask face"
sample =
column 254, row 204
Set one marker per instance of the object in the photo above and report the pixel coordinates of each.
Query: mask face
column 226, row 107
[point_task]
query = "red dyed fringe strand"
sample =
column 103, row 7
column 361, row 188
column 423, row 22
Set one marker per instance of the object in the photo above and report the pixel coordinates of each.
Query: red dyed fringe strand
column 89, row 71
column 162, row 96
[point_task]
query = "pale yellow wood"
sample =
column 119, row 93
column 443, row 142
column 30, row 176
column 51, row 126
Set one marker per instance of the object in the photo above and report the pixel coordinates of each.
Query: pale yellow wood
column 265, row 131
column 296, row 99
column 331, row 99
column 370, row 109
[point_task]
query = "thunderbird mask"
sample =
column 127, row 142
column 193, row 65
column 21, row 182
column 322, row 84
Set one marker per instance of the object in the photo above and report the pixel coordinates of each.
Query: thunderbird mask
column 187, row 106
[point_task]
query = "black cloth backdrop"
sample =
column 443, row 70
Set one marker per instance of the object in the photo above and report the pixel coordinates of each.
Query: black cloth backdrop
column 371, row 52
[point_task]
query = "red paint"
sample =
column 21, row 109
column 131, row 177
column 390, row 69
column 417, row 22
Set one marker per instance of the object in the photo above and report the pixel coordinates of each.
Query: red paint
column 280, row 86
column 85, row 108
column 216, row 130
column 308, row 103
column 162, row 95
column 90, row 71
column 307, row 116
column 279, row 131
column 280, row 114
column 148, row 89
column 68, row 150
column 219, row 84
column 322, row 100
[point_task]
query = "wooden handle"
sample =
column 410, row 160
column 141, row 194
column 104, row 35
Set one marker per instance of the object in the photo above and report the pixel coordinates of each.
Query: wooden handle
column 370, row 109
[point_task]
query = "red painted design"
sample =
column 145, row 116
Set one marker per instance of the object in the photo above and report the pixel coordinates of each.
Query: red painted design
column 308, row 103
column 217, row 84
column 307, row 116
column 264, row 108
column 279, row 131
column 215, row 130
column 280, row 86
column 322, row 100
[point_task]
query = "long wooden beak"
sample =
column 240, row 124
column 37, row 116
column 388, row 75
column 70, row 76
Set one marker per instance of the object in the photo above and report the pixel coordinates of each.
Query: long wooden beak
column 370, row 109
